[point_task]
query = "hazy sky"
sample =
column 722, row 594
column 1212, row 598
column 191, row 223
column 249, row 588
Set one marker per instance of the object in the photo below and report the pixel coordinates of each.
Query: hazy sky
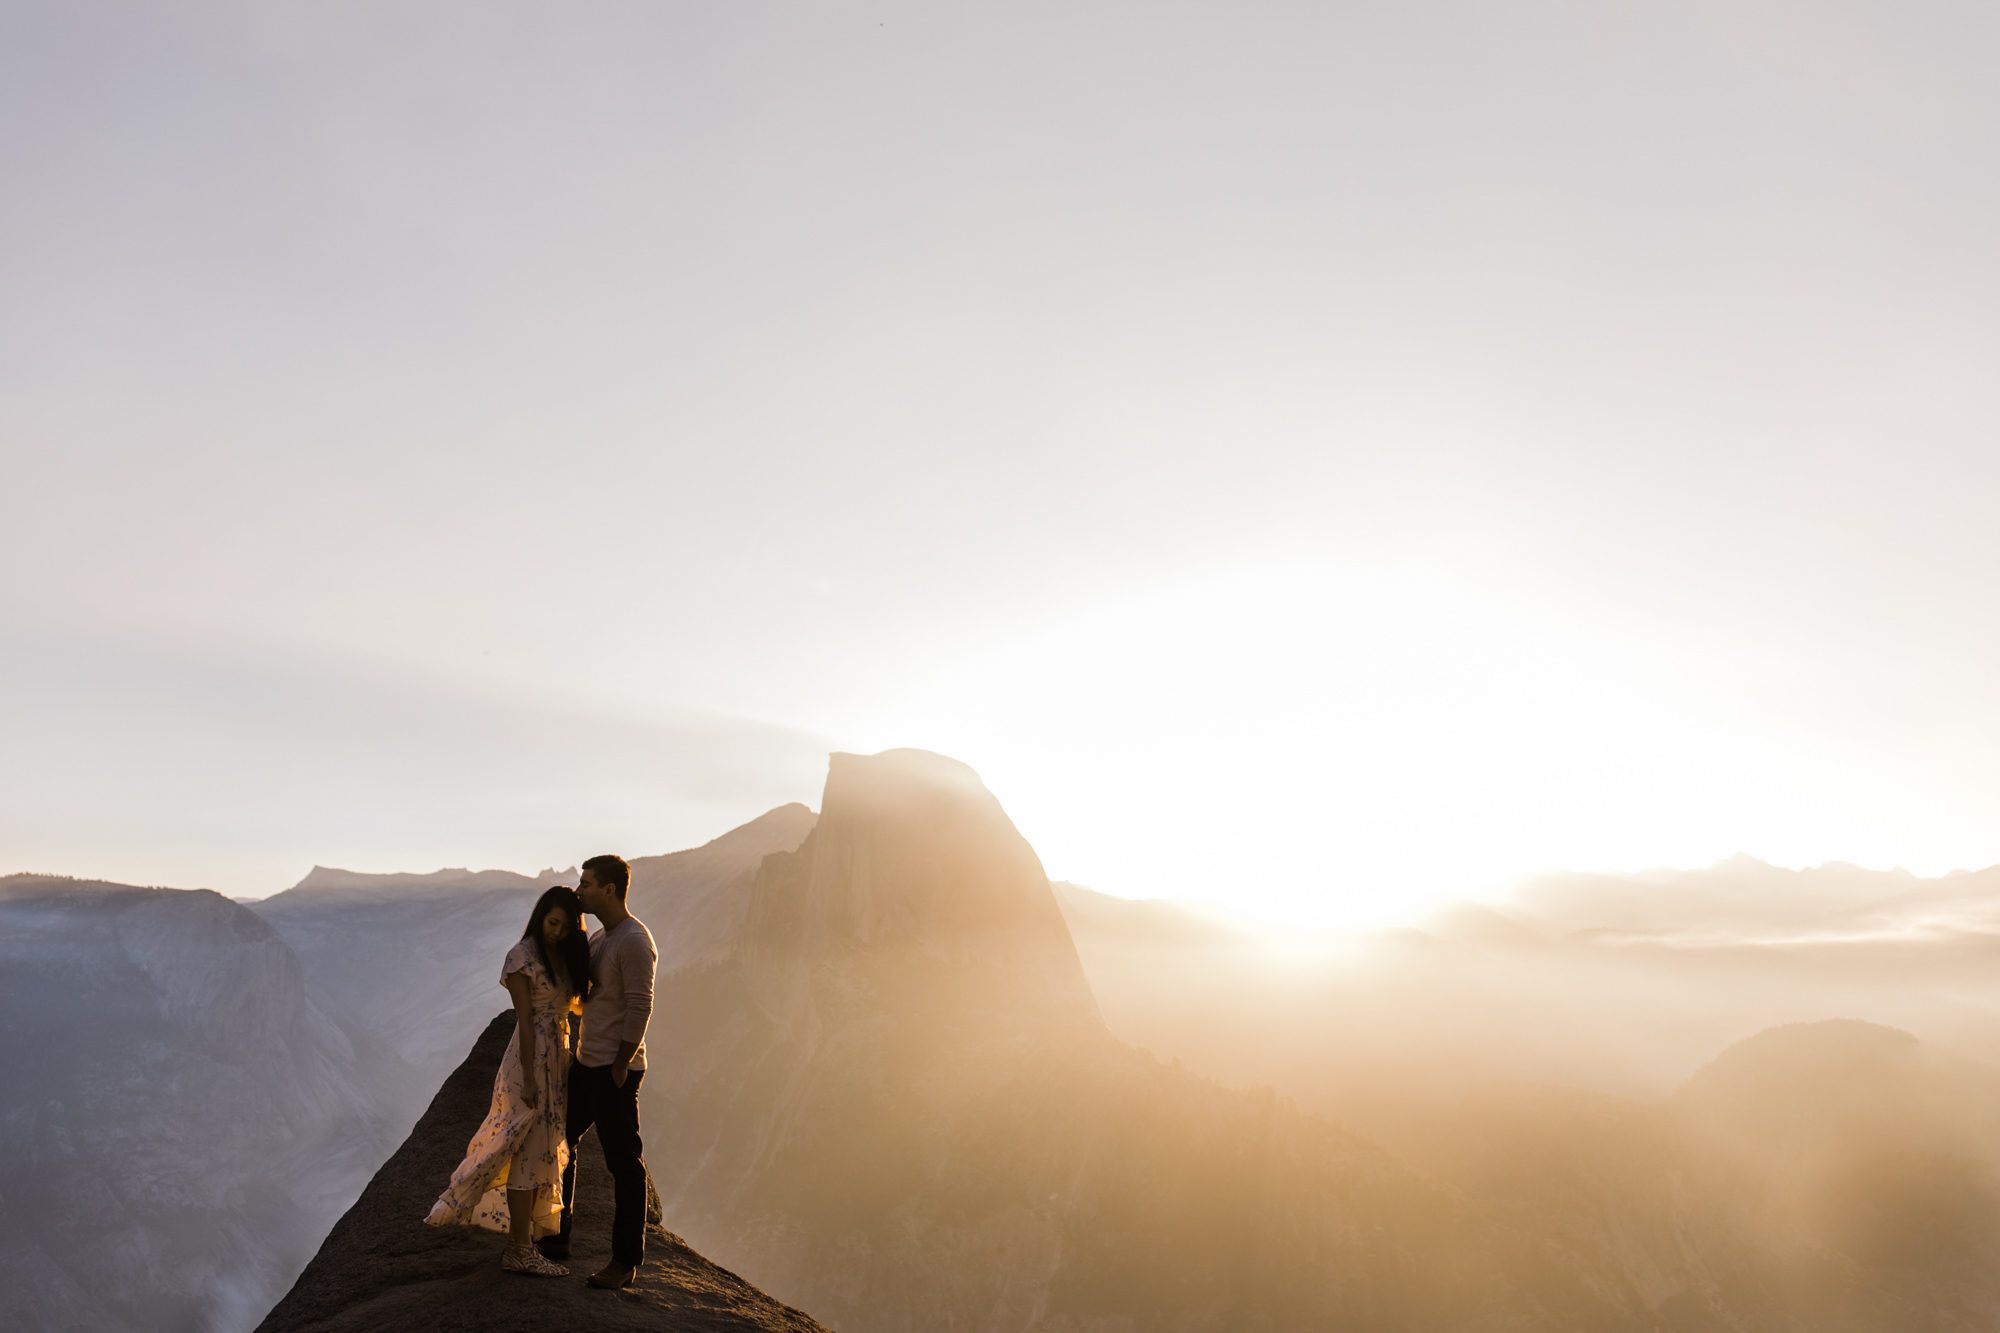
column 1317, row 457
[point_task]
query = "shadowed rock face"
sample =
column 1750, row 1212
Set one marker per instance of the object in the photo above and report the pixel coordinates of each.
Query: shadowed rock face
column 382, row 1268
column 914, row 867
column 914, row 853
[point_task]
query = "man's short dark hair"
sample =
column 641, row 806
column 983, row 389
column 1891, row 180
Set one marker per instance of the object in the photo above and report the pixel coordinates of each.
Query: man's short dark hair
column 612, row 873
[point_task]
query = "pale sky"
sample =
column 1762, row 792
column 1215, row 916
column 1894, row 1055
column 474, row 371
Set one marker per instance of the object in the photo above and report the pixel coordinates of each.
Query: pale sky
column 1317, row 458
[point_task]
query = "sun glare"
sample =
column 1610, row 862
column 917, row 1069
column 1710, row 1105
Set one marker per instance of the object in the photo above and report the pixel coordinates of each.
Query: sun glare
column 1310, row 747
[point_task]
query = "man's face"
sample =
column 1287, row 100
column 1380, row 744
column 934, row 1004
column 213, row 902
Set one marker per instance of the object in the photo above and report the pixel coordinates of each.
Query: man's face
column 594, row 895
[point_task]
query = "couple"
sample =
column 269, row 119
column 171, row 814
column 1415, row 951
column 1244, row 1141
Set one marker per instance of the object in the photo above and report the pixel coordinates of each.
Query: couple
column 520, row 1172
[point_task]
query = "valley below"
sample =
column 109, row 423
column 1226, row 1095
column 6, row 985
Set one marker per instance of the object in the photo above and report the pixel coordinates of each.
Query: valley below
column 900, row 1081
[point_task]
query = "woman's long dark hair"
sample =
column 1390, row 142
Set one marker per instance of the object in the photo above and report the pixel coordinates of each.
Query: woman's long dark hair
column 574, row 952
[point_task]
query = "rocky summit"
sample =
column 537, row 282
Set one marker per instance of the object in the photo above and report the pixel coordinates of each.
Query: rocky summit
column 381, row 1268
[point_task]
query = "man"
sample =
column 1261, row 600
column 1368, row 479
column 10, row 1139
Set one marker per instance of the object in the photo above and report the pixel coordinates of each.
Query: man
column 610, row 1065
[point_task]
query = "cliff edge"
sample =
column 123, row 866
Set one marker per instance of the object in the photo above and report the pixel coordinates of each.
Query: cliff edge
column 382, row 1268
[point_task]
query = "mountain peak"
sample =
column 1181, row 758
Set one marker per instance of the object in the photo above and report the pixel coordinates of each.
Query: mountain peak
column 1839, row 1076
column 694, row 901
column 912, row 851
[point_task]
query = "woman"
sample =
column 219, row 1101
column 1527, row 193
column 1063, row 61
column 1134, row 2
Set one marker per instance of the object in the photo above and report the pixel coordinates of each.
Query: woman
column 519, row 1152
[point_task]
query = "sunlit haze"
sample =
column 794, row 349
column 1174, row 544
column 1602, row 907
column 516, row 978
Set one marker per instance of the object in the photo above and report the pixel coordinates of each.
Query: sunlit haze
column 1342, row 747
column 1320, row 461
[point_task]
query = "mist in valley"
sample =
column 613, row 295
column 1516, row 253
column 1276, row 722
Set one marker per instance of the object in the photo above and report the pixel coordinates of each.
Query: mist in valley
column 1623, row 984
column 1738, row 1097
column 182, row 1119
column 902, row 1081
column 1663, row 1068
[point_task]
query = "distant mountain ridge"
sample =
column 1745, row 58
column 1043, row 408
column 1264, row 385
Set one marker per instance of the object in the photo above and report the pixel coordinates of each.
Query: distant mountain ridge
column 1487, row 990
column 412, row 961
column 328, row 879
column 1745, row 898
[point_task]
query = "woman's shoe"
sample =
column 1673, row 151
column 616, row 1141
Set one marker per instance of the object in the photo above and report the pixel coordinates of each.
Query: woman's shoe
column 527, row 1259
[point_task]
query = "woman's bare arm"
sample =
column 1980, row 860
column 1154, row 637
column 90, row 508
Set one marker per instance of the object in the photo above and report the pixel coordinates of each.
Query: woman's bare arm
column 524, row 1023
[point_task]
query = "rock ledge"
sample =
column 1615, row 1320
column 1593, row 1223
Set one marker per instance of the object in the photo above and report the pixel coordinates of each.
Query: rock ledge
column 382, row 1268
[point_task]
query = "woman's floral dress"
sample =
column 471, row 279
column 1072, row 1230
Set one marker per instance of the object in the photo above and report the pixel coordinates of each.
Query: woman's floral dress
column 519, row 1146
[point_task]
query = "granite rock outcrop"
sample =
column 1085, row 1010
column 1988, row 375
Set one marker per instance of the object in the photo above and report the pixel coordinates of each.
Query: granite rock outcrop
column 382, row 1268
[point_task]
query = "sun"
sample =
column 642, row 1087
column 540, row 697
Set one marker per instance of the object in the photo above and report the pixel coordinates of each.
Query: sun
column 1330, row 747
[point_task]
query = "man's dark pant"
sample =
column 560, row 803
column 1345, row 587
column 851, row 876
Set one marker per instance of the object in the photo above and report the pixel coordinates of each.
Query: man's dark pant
column 595, row 1100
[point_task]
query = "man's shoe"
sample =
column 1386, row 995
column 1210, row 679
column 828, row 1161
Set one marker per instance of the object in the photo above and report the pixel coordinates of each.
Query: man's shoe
column 612, row 1277
column 553, row 1247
